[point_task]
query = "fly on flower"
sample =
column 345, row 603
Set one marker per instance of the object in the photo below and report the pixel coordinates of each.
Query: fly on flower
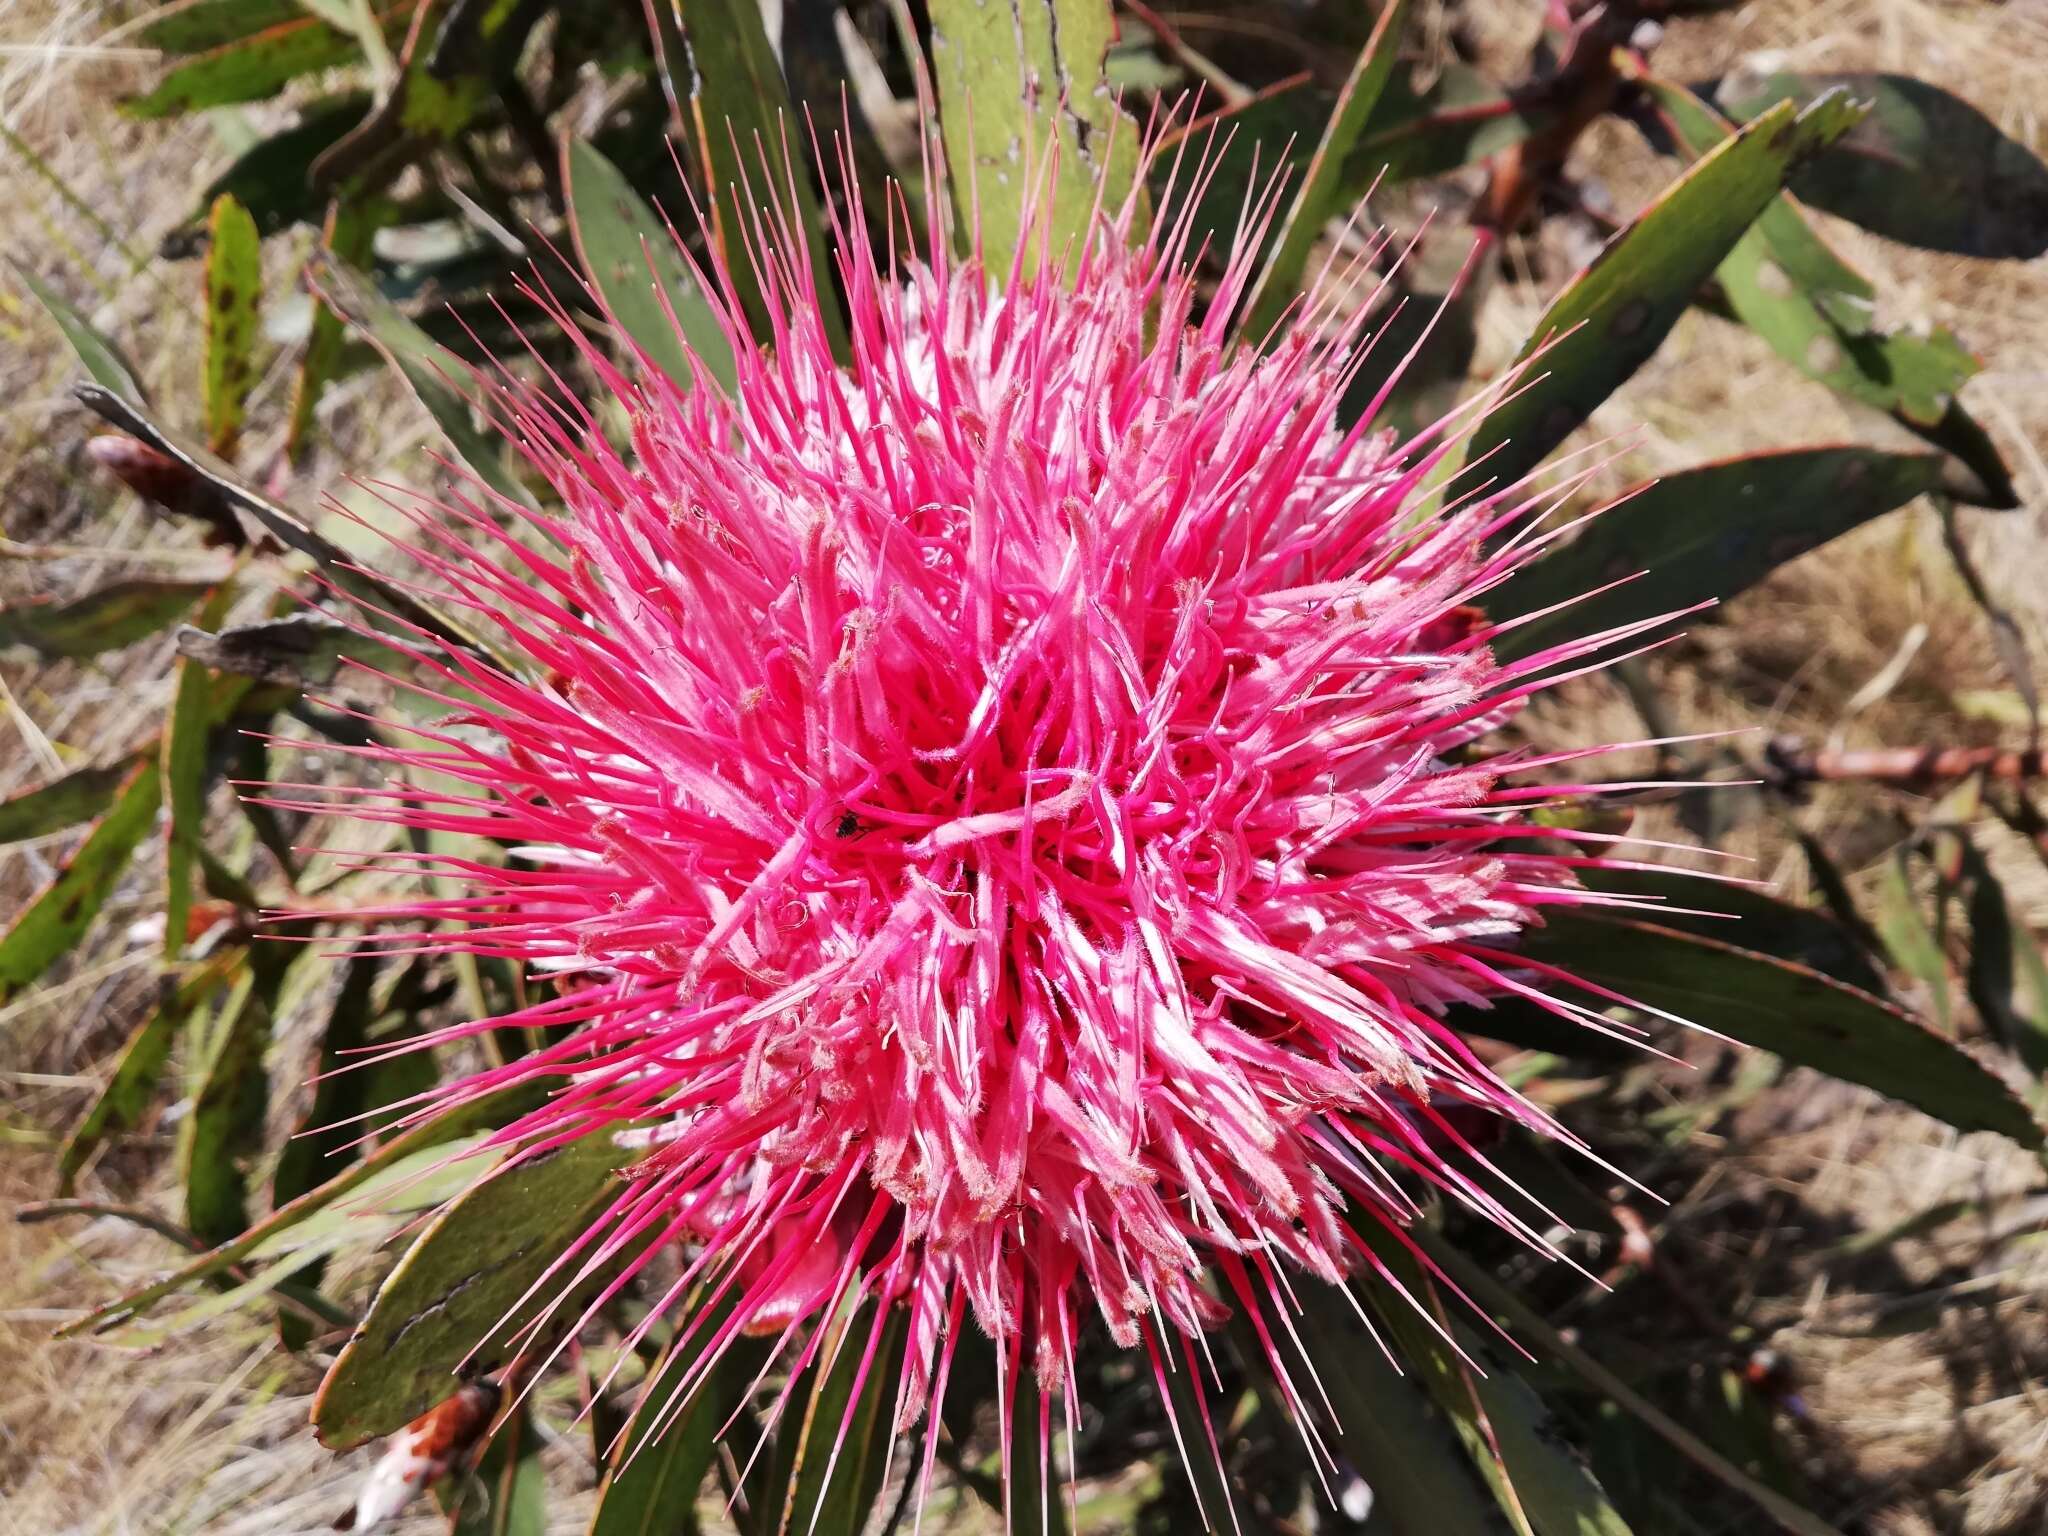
column 1002, row 814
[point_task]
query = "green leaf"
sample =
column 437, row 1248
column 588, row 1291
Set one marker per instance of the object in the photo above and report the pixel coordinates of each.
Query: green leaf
column 281, row 523
column 1709, row 532
column 1509, row 1433
column 1399, row 1443
column 1012, row 82
column 1462, row 117
column 1820, row 315
column 1320, row 192
column 633, row 261
column 654, row 1472
column 745, row 135
column 194, row 26
column 508, row 1493
column 1911, row 942
column 100, row 357
column 1034, row 1504
column 224, row 1130
column 348, row 234
column 78, row 796
column 269, row 178
column 1741, row 912
column 325, row 1138
column 1613, row 315
column 420, row 1143
column 1530, row 1329
column 1193, row 1420
column 1247, row 147
column 249, row 68
column 445, row 78
column 456, row 1295
column 427, row 369
column 842, row 1455
column 122, row 1103
column 105, row 619
column 59, row 915
column 234, row 280
column 2007, row 975
column 197, row 706
column 1788, row 1009
column 1925, row 167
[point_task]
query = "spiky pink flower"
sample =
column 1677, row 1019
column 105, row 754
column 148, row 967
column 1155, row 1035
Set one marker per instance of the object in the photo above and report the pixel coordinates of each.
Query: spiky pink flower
column 1004, row 816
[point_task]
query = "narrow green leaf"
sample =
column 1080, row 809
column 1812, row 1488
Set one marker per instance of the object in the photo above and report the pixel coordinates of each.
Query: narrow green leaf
column 1741, row 913
column 1508, row 1432
column 350, row 229
column 194, row 26
column 1706, row 533
column 1192, row 1419
column 842, row 1454
column 1403, row 1448
column 421, row 1143
column 1616, row 312
column 59, row 915
column 105, row 619
column 224, row 1130
column 1914, row 948
column 1320, row 192
column 250, row 68
column 197, row 706
column 1013, row 82
column 234, row 279
column 508, row 1493
column 325, row 1138
column 427, row 369
column 1925, row 168
column 456, row 1295
column 281, row 523
column 2007, row 975
column 122, row 1103
column 269, row 178
column 78, row 796
column 100, row 357
column 746, row 136
column 1787, row 1009
column 1035, row 1492
column 1529, row 1328
column 654, row 1472
column 1820, row 315
column 634, row 263
column 1461, row 118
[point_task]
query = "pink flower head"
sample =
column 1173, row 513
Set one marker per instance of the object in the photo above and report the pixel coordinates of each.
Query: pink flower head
column 1004, row 816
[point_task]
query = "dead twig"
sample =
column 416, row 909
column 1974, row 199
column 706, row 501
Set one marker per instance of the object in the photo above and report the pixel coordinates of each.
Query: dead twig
column 1789, row 765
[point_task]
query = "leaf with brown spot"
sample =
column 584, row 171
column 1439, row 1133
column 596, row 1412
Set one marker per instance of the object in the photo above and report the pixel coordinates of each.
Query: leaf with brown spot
column 1614, row 314
column 234, row 276
column 456, row 1295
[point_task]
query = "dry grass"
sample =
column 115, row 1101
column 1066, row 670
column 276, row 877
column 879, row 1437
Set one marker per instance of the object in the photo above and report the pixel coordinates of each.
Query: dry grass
column 1936, row 1427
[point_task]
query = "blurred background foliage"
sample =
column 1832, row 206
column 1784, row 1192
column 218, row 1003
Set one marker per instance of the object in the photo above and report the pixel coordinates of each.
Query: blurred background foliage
column 268, row 234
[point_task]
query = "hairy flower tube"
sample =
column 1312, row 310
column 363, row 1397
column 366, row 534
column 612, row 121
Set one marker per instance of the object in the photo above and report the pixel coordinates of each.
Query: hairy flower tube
column 997, row 818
